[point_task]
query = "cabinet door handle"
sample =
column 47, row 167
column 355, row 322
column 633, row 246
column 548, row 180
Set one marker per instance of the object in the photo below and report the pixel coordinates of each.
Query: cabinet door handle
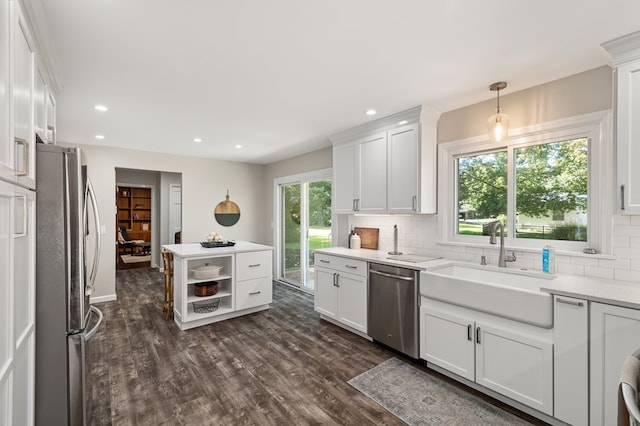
column 570, row 302
column 22, row 150
column 621, row 197
column 357, row 204
column 334, row 279
column 478, row 335
column 354, row 205
column 469, row 332
column 20, row 209
column 324, row 261
column 337, row 280
column 254, row 265
column 253, row 293
column 415, row 203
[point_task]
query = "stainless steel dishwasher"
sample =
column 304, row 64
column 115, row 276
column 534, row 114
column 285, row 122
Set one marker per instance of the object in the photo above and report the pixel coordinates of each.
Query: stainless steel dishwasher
column 393, row 307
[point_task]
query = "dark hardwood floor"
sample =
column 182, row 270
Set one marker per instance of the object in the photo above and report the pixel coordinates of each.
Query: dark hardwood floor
column 283, row 366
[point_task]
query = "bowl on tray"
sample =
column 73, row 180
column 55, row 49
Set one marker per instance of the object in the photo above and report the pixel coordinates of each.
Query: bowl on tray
column 213, row 244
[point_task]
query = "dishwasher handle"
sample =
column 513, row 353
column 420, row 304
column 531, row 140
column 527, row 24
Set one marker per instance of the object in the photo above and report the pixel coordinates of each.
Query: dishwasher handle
column 397, row 277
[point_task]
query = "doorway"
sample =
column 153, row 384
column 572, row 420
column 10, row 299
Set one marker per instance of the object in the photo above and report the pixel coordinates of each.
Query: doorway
column 134, row 215
column 155, row 220
column 304, row 218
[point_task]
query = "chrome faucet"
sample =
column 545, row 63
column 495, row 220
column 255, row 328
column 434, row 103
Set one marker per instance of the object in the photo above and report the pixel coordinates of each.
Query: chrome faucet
column 503, row 258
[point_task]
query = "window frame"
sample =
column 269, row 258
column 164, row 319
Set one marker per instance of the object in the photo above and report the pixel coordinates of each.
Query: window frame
column 596, row 127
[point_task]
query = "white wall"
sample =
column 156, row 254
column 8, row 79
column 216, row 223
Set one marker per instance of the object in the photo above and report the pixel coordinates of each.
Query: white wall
column 204, row 185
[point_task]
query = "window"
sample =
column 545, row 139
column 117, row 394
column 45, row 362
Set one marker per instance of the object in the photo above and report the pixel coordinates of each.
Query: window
column 539, row 184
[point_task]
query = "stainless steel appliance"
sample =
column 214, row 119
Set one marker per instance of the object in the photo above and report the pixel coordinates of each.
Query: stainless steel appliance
column 67, row 223
column 393, row 307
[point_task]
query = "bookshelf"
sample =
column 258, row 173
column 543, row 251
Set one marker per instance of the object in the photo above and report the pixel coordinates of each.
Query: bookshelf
column 134, row 211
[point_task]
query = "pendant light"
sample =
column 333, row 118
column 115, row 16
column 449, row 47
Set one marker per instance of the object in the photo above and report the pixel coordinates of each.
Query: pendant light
column 498, row 123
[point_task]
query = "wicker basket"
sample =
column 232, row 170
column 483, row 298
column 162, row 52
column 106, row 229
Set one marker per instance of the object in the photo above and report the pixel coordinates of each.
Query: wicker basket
column 206, row 306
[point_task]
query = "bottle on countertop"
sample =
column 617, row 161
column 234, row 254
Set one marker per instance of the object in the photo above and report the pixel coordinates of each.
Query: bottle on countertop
column 354, row 241
column 549, row 259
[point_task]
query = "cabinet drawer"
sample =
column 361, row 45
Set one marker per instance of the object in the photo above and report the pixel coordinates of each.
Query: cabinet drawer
column 253, row 265
column 253, row 293
column 342, row 264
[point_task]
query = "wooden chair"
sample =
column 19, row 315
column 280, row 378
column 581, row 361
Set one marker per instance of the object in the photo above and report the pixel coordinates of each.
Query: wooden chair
column 167, row 303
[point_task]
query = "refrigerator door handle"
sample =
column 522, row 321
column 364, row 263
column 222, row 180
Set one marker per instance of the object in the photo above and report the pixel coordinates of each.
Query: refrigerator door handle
column 90, row 193
column 89, row 334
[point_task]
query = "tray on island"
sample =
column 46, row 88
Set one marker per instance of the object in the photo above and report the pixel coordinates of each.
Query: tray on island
column 212, row 244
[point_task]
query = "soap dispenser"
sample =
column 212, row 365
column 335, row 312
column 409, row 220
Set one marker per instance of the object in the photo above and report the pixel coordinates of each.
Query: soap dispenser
column 549, row 259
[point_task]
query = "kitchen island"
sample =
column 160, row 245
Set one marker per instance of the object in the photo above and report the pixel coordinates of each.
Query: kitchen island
column 244, row 282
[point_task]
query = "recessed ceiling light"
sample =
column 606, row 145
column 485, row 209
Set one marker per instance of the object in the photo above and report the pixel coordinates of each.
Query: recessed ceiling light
column 238, row 146
column 100, row 108
column 370, row 112
column 402, row 122
column 99, row 136
column 197, row 140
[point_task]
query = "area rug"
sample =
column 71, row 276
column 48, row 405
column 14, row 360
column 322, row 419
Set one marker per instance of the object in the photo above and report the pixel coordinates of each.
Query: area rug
column 418, row 398
column 129, row 258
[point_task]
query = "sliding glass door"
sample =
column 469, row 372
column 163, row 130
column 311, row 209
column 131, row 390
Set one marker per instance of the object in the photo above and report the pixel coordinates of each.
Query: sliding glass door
column 304, row 226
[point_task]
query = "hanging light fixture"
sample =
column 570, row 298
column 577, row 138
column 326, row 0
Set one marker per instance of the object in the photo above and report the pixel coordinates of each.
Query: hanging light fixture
column 498, row 123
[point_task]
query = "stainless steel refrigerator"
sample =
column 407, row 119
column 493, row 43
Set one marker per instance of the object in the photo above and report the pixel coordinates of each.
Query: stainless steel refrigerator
column 67, row 256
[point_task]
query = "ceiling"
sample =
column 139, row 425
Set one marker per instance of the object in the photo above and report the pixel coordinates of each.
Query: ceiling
column 278, row 77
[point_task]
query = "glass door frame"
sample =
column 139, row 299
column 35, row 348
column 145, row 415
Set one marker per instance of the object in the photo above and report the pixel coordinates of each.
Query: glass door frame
column 299, row 179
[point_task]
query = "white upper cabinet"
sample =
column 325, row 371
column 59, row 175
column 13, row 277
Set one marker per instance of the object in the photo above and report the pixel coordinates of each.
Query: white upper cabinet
column 41, row 106
column 45, row 110
column 373, row 174
column 345, row 178
column 387, row 166
column 23, row 99
column 403, row 169
column 50, row 110
column 625, row 52
column 27, row 104
column 6, row 146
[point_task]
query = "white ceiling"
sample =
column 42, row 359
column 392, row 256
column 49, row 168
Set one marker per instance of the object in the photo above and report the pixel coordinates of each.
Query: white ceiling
column 280, row 76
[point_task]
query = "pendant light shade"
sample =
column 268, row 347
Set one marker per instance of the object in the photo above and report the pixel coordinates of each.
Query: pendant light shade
column 498, row 124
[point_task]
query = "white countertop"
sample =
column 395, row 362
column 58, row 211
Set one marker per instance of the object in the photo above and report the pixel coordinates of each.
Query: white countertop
column 620, row 293
column 196, row 250
column 380, row 256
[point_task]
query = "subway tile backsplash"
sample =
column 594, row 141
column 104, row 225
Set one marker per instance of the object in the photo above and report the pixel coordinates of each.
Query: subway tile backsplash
column 418, row 235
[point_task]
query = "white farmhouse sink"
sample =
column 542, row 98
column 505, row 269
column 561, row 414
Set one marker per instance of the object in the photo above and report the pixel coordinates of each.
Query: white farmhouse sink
column 509, row 293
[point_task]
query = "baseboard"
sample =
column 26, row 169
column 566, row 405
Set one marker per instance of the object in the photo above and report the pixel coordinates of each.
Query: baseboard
column 102, row 299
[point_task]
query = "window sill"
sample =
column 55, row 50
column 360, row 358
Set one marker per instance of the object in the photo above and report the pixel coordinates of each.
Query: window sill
column 526, row 250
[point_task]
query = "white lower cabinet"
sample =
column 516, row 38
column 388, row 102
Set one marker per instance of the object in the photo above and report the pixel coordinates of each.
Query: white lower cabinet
column 615, row 334
column 341, row 290
column 515, row 360
column 447, row 341
column 571, row 360
column 17, row 304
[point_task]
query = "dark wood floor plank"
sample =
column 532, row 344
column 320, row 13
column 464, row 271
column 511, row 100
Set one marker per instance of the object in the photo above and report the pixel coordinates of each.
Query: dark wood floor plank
column 277, row 367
